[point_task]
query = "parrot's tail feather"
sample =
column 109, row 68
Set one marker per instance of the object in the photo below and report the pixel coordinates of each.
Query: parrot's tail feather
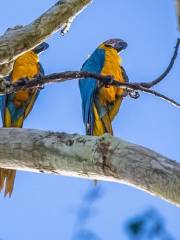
column 2, row 178
column 114, row 110
column 7, row 178
column 107, row 124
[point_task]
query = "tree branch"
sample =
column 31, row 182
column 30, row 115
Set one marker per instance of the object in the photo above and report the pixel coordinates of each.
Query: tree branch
column 178, row 11
column 6, row 87
column 167, row 70
column 102, row 158
column 21, row 39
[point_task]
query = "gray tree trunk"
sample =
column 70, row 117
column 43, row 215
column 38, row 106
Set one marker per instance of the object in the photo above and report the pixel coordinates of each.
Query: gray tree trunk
column 102, row 158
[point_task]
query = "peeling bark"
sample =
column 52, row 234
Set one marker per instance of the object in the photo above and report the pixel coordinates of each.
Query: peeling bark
column 20, row 39
column 102, row 158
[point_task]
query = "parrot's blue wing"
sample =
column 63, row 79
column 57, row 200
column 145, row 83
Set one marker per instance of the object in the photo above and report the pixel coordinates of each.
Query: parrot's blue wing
column 88, row 86
column 3, row 99
column 2, row 106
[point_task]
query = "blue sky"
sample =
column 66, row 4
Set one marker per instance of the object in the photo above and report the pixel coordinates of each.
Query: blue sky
column 49, row 207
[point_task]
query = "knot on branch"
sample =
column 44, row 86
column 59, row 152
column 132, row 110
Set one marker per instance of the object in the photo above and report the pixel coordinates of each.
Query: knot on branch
column 103, row 153
column 5, row 69
column 9, row 30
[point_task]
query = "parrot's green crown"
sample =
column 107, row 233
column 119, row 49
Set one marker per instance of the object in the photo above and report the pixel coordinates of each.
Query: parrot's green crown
column 116, row 43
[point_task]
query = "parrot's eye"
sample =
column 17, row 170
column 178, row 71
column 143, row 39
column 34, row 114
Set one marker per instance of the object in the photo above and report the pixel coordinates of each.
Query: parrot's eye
column 108, row 45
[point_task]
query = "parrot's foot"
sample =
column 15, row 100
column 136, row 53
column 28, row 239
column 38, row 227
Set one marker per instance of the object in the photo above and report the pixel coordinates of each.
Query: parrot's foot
column 22, row 82
column 107, row 81
column 133, row 94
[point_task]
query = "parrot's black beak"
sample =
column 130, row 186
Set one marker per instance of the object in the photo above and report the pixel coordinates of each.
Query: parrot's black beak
column 120, row 46
column 41, row 48
column 117, row 44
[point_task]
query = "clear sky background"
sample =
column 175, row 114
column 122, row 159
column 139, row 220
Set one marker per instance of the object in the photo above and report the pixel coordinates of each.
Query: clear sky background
column 54, row 207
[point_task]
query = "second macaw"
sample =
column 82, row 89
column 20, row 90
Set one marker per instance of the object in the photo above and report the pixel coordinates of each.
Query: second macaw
column 15, row 107
column 100, row 103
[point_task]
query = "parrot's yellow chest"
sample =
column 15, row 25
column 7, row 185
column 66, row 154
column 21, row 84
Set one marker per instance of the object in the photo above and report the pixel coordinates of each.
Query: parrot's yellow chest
column 24, row 67
column 111, row 68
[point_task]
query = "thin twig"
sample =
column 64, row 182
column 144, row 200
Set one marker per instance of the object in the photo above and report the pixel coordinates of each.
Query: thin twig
column 167, row 70
column 160, row 95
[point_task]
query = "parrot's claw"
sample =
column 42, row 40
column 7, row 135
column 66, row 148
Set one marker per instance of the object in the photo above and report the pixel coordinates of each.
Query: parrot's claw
column 108, row 81
column 38, row 77
column 133, row 94
column 23, row 81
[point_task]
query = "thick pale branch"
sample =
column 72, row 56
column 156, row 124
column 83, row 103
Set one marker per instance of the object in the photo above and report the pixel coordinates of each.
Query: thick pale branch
column 102, row 158
column 19, row 40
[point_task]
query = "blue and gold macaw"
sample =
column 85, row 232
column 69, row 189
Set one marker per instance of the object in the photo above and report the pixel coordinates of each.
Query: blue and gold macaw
column 100, row 103
column 15, row 107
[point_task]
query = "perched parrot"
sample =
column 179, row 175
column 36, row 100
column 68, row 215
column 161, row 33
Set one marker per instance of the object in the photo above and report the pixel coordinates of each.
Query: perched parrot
column 15, row 107
column 101, row 103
